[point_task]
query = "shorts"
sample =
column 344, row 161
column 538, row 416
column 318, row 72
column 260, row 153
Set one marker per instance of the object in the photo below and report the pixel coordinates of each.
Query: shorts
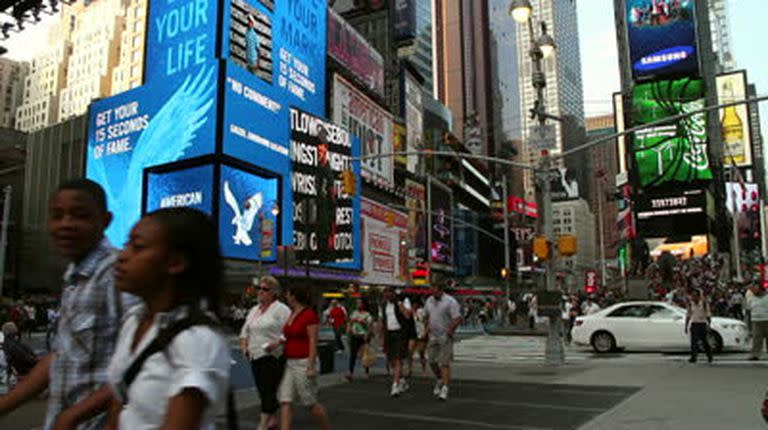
column 296, row 386
column 397, row 345
column 440, row 350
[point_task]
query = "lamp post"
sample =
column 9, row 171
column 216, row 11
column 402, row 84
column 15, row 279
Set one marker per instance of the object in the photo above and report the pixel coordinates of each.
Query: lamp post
column 542, row 47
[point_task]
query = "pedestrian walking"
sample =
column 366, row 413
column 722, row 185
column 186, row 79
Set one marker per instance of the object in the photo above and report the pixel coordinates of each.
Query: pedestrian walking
column 89, row 318
column 260, row 342
column 443, row 317
column 418, row 344
column 511, row 311
column 299, row 381
column 736, row 303
column 359, row 328
column 533, row 311
column 337, row 316
column 697, row 321
column 758, row 307
column 395, row 338
column 171, row 365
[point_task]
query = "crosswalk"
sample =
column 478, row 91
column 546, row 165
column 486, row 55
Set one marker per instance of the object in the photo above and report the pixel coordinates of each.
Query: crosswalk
column 503, row 350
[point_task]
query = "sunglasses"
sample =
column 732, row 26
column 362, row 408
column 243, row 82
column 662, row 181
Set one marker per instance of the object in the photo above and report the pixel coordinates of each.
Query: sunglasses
column 267, row 289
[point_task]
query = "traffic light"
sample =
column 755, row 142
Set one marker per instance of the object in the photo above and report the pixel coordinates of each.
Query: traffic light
column 505, row 273
column 349, row 182
column 390, row 217
column 566, row 245
column 541, row 248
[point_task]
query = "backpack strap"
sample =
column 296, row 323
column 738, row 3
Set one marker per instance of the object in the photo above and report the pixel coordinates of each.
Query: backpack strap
column 158, row 344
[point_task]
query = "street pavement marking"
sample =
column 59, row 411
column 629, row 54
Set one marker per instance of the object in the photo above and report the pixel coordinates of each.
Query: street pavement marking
column 440, row 420
column 527, row 405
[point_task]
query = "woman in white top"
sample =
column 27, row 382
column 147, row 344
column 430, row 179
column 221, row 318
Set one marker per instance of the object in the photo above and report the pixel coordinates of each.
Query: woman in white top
column 172, row 262
column 260, row 343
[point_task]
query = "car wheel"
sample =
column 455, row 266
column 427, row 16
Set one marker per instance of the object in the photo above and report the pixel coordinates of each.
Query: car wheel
column 715, row 341
column 603, row 342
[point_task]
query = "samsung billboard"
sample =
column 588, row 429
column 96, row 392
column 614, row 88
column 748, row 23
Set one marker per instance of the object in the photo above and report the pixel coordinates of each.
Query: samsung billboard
column 662, row 38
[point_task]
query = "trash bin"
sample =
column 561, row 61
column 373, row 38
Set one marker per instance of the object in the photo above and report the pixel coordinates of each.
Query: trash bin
column 325, row 352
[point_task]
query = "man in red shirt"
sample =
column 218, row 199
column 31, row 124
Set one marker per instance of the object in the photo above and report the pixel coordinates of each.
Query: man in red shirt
column 338, row 319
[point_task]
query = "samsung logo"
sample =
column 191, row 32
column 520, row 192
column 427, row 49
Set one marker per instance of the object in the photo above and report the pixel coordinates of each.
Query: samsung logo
column 664, row 58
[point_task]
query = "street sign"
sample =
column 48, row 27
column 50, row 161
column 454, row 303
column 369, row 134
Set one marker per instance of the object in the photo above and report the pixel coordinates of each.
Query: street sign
column 542, row 137
column 590, row 281
column 622, row 178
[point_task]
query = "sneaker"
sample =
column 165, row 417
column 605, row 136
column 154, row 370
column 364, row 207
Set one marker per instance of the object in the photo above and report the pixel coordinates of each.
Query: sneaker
column 443, row 393
column 395, row 392
column 403, row 385
column 436, row 390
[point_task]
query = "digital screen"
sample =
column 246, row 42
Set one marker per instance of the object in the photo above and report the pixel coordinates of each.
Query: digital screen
column 181, row 37
column 249, row 210
column 326, row 220
column 416, row 202
column 441, row 223
column 735, row 125
column 276, row 61
column 405, row 19
column 158, row 123
column 191, row 187
column 662, row 38
column 347, row 46
column 676, row 151
column 672, row 213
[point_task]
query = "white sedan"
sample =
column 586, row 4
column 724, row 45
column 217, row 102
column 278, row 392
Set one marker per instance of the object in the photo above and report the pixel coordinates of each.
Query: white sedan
column 652, row 326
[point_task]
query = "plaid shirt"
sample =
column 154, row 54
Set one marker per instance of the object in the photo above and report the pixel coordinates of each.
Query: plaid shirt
column 89, row 322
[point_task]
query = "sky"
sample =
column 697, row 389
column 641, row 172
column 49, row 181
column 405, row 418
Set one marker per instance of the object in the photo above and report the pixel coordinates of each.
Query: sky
column 597, row 34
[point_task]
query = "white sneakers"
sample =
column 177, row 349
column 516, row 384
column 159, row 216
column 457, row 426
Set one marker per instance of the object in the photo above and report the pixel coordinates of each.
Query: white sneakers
column 404, row 385
column 395, row 392
column 443, row 393
column 437, row 389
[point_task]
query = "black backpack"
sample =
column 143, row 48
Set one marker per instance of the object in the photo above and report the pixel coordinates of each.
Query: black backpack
column 159, row 343
column 20, row 357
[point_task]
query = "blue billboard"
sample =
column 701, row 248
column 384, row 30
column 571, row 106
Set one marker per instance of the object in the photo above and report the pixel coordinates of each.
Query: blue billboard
column 249, row 210
column 662, row 38
column 158, row 123
column 181, row 36
column 276, row 60
column 405, row 19
column 190, row 187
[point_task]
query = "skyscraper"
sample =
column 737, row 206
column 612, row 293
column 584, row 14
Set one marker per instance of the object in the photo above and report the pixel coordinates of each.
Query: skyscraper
column 721, row 34
column 12, row 74
column 563, row 95
column 85, row 48
column 463, row 70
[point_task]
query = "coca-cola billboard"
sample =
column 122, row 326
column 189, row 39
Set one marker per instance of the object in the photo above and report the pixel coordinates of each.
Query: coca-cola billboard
column 351, row 50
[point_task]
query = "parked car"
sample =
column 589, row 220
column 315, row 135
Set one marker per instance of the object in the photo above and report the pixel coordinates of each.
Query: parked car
column 652, row 326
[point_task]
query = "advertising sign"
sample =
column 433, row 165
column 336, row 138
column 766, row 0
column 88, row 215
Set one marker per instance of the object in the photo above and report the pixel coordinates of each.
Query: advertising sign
column 369, row 122
column 405, row 19
column 158, row 123
column 351, row 50
column 414, row 118
column 441, row 225
column 181, row 37
column 248, row 215
column 277, row 61
column 415, row 201
column 563, row 185
column 674, row 152
column 734, row 120
column 326, row 221
column 385, row 253
column 662, row 38
column 741, row 197
column 591, row 281
column 191, row 187
column 674, row 213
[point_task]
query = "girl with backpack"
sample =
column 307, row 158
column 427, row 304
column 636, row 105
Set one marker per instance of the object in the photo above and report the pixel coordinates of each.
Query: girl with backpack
column 171, row 365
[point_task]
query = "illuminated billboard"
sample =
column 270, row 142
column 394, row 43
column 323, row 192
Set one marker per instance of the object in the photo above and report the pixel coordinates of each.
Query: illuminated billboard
column 662, row 38
column 276, row 61
column 347, row 46
column 734, row 120
column 441, row 225
column 671, row 213
column 249, row 207
column 161, row 122
column 190, row 187
column 675, row 151
column 326, row 220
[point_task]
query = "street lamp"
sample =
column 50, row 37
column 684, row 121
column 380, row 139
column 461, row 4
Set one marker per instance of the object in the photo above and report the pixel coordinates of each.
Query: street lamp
column 542, row 47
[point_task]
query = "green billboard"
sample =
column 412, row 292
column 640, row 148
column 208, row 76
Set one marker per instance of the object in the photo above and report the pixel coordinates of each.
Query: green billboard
column 675, row 151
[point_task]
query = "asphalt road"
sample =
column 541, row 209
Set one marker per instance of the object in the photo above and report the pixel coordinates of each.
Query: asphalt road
column 365, row 404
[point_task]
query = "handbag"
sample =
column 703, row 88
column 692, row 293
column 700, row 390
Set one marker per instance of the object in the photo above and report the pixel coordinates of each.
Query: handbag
column 368, row 358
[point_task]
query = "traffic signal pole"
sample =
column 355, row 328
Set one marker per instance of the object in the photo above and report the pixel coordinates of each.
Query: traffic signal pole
column 507, row 251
